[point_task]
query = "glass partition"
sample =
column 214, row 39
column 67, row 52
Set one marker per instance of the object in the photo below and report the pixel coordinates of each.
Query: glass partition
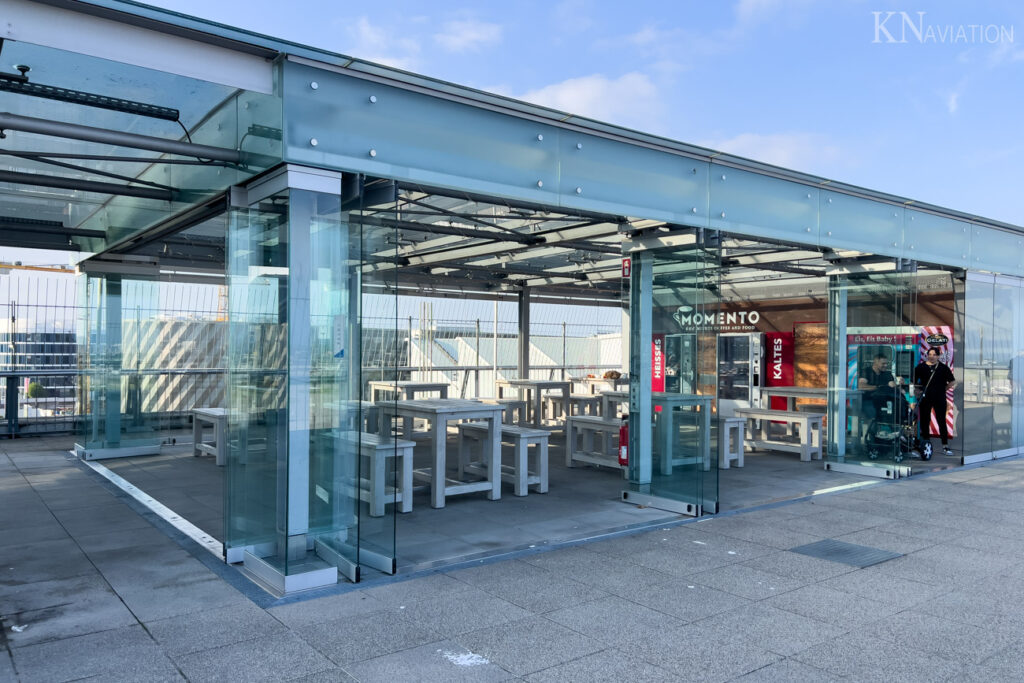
column 673, row 431
column 991, row 370
column 880, row 328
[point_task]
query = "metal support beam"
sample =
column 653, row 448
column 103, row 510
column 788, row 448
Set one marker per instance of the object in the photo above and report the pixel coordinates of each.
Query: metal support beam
column 40, row 180
column 524, row 333
column 74, row 131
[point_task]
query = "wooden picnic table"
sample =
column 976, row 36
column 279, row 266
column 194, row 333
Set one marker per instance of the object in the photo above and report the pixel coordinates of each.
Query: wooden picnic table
column 531, row 391
column 438, row 412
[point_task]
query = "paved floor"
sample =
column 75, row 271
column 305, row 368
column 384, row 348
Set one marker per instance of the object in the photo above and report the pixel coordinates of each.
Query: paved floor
column 89, row 588
column 583, row 501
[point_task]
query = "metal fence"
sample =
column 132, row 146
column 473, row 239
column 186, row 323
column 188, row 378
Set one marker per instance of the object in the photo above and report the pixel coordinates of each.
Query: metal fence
column 171, row 356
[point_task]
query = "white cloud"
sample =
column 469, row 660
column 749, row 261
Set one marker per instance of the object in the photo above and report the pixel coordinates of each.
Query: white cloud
column 952, row 102
column 467, row 35
column 629, row 100
column 798, row 151
column 380, row 45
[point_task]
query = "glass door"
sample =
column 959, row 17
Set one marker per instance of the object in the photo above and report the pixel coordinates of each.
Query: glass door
column 873, row 349
column 673, row 453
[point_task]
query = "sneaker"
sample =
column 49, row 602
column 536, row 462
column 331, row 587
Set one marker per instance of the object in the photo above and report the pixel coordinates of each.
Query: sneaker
column 946, row 450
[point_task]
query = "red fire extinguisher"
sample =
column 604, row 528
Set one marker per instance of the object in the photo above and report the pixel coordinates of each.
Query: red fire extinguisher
column 624, row 443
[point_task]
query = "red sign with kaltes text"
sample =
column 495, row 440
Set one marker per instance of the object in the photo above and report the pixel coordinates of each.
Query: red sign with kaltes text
column 778, row 359
column 778, row 365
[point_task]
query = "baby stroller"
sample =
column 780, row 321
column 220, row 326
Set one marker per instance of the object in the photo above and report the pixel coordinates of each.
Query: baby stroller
column 895, row 429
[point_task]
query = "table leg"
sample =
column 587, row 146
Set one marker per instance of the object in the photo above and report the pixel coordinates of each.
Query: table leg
column 220, row 434
column 542, row 466
column 438, row 432
column 378, row 480
column 538, row 408
column 494, row 456
column 197, row 434
column 444, row 391
column 406, row 463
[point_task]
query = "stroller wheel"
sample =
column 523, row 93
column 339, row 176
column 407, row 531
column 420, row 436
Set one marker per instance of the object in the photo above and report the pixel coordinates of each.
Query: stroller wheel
column 873, row 453
column 926, row 452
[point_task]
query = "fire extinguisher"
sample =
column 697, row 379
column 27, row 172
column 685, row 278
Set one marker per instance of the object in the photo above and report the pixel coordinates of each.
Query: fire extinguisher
column 624, row 443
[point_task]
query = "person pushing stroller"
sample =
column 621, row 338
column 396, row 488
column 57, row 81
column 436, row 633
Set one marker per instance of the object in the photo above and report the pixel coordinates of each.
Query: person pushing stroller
column 932, row 379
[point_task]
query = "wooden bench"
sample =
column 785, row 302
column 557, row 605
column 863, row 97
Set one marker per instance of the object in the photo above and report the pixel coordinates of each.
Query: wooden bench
column 520, row 438
column 809, row 425
column 513, row 410
column 218, row 419
column 730, row 441
column 579, row 404
column 583, row 432
column 376, row 450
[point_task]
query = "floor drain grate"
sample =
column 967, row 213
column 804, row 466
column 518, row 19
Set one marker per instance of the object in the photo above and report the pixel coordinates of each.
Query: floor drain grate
column 845, row 553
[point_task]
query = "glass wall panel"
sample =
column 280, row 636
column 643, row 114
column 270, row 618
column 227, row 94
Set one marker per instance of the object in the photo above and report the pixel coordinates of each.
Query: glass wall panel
column 255, row 480
column 681, row 463
column 873, row 350
column 979, row 375
column 1004, row 325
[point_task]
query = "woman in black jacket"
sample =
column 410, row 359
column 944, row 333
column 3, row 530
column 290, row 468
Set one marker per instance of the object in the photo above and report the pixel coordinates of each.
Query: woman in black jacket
column 932, row 379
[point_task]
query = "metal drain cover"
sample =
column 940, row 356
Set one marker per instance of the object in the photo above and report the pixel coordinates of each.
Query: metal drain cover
column 845, row 553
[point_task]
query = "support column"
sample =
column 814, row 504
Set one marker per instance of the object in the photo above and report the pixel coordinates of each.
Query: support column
column 524, row 333
column 640, row 330
column 110, row 358
column 836, row 410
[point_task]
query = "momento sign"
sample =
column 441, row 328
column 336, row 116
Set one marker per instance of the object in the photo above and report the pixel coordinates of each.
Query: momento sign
column 716, row 321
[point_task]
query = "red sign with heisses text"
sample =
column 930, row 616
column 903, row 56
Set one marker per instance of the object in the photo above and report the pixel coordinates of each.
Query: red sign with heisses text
column 658, row 362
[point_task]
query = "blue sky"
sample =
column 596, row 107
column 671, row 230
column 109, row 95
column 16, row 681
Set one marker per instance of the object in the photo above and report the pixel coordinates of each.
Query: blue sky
column 798, row 83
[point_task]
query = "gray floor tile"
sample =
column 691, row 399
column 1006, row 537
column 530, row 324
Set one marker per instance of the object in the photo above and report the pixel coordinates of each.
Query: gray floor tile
column 886, row 539
column 328, row 676
column 705, row 653
column 124, row 653
column 420, row 588
column 529, row 645
column 799, row 567
column 788, row 670
column 43, row 561
column 54, row 610
column 944, row 637
column 214, row 627
column 458, row 613
column 863, row 657
column 441, row 661
column 528, row 586
column 875, row 585
column 606, row 666
column 360, row 637
column 776, row 630
column 746, row 582
column 613, row 620
column 192, row 593
column 320, row 610
column 273, row 657
column 686, row 600
column 749, row 527
column 834, row 606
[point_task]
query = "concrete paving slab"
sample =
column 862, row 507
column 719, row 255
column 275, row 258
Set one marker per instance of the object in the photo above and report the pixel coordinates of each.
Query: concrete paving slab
column 123, row 653
column 686, row 600
column 606, row 666
column 43, row 561
column 788, row 670
column 746, row 582
column 441, row 661
column 834, row 606
column 423, row 587
column 528, row 645
column 358, row 638
column 210, row 628
column 278, row 656
column 779, row 631
column 613, row 620
column 307, row 612
column 863, row 657
column 873, row 585
column 799, row 567
column 944, row 637
column 458, row 613
column 701, row 653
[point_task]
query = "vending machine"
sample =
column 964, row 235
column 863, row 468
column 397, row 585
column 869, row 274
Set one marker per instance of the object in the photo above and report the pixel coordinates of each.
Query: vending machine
column 740, row 371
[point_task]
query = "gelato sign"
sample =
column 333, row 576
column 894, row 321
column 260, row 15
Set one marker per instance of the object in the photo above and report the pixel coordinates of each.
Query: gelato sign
column 718, row 321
